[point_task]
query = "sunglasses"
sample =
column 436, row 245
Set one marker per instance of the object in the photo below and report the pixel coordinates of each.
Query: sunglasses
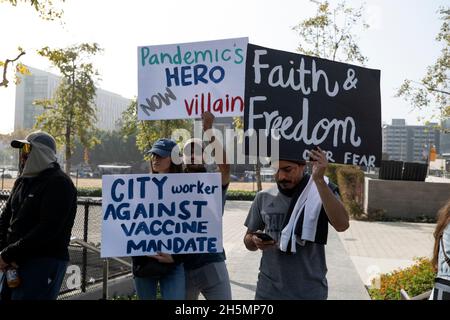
column 26, row 148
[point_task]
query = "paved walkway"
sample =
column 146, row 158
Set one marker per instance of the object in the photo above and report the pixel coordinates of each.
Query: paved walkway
column 381, row 247
column 353, row 257
column 243, row 265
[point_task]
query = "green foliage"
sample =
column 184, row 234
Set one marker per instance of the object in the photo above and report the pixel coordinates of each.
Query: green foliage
column 9, row 155
column 415, row 280
column 241, row 195
column 147, row 132
column 71, row 113
column 114, row 149
column 231, row 194
column 331, row 172
column 350, row 180
column 238, row 122
column 46, row 9
column 433, row 89
column 330, row 34
column 351, row 183
column 19, row 68
column 90, row 192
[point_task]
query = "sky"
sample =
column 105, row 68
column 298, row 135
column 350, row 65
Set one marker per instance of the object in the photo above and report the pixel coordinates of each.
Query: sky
column 400, row 42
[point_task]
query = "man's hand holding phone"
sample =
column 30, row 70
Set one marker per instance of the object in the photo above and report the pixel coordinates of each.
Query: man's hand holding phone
column 262, row 240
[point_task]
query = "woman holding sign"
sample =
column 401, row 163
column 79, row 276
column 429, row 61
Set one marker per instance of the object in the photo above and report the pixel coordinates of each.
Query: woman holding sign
column 441, row 255
column 163, row 268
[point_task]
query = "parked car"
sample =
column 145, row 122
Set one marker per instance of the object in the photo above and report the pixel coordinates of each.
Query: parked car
column 234, row 178
column 9, row 173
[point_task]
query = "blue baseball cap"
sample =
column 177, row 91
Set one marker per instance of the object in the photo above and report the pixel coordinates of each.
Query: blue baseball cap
column 163, row 147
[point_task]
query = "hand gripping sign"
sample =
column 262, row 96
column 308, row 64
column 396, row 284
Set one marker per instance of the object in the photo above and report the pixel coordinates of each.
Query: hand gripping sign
column 171, row 213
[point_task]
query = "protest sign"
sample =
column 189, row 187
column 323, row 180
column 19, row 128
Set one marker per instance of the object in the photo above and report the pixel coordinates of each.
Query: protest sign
column 305, row 101
column 181, row 81
column 173, row 213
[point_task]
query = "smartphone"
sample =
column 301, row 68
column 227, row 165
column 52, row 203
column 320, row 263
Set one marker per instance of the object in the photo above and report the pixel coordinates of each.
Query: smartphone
column 263, row 236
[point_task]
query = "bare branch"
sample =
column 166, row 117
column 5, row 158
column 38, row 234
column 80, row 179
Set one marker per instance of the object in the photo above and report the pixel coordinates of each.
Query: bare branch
column 5, row 81
column 430, row 89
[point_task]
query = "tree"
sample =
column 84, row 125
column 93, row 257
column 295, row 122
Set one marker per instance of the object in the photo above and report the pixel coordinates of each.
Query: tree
column 239, row 124
column 20, row 68
column 9, row 155
column 114, row 149
column 433, row 89
column 46, row 8
column 147, row 132
column 71, row 113
column 331, row 33
column 47, row 11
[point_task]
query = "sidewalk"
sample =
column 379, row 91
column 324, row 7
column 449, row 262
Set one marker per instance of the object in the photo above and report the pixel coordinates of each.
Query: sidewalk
column 381, row 247
column 343, row 280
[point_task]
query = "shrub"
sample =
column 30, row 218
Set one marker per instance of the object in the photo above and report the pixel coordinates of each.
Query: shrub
column 231, row 194
column 90, row 192
column 331, row 172
column 417, row 279
column 241, row 195
column 350, row 180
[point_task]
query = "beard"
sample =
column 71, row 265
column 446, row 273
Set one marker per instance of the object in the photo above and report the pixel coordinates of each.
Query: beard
column 289, row 192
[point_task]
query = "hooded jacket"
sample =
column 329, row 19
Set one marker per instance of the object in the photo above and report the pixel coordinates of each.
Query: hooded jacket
column 39, row 214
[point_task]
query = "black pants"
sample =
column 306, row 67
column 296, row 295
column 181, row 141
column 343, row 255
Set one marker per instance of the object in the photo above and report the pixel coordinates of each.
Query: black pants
column 40, row 278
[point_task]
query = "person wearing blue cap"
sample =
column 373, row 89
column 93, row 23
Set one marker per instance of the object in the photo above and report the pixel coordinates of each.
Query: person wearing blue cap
column 161, row 157
column 36, row 223
column 207, row 273
column 163, row 268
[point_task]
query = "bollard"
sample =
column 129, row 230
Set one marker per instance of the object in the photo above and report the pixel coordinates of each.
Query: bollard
column 105, row 279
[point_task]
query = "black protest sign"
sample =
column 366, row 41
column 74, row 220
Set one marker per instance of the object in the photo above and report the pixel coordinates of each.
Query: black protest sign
column 305, row 101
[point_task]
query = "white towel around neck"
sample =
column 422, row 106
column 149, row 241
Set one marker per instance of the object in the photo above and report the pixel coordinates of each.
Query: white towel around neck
column 309, row 200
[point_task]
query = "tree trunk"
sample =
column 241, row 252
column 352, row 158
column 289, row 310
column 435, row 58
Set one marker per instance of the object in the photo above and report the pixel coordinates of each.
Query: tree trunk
column 67, row 166
column 69, row 123
column 258, row 176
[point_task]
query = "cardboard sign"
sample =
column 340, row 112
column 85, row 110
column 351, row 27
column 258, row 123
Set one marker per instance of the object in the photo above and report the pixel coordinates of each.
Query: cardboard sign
column 180, row 81
column 173, row 213
column 305, row 101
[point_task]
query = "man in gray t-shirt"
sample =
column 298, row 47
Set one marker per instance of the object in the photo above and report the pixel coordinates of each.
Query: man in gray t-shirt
column 301, row 275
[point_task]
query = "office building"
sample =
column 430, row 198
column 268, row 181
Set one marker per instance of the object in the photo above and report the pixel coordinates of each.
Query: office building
column 42, row 85
column 410, row 143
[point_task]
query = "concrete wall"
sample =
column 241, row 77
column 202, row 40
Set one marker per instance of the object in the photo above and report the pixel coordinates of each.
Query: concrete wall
column 404, row 199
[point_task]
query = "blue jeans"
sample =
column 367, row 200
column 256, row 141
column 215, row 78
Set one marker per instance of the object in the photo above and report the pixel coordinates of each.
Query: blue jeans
column 172, row 286
column 40, row 279
column 211, row 280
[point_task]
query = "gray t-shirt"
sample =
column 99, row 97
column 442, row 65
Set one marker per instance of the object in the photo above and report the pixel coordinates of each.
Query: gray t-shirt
column 285, row 276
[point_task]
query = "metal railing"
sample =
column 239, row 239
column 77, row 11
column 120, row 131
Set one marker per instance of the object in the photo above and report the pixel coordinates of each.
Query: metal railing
column 105, row 279
column 84, row 251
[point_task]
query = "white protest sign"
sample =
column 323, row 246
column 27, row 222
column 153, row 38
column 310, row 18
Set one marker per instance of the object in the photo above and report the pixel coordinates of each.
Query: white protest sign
column 181, row 81
column 174, row 213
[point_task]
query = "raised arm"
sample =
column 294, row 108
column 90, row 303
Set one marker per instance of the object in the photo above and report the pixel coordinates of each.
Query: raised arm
column 335, row 210
column 219, row 157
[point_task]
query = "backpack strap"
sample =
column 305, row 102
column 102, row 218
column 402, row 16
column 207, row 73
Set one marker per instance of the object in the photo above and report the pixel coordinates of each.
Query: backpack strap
column 446, row 257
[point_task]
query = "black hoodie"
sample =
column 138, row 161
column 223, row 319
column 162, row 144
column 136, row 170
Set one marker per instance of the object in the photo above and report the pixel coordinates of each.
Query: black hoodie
column 38, row 218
